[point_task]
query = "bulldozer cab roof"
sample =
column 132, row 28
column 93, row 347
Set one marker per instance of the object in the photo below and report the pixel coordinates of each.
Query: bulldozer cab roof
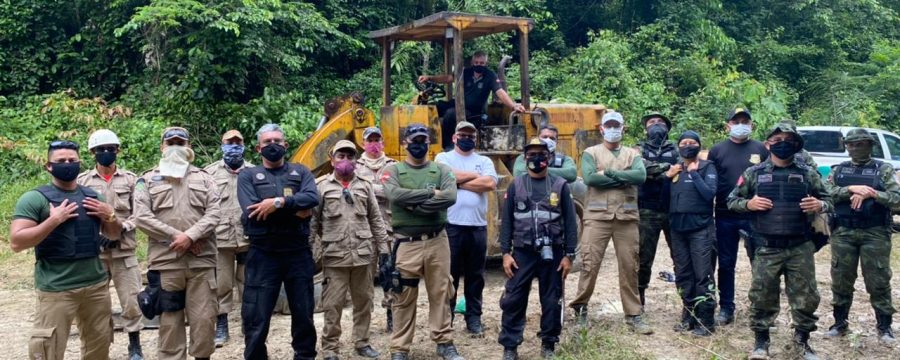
column 434, row 27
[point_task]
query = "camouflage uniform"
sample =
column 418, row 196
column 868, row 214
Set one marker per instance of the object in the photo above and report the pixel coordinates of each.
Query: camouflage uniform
column 791, row 255
column 869, row 244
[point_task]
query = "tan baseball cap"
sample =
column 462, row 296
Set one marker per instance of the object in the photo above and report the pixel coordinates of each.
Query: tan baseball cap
column 343, row 144
column 230, row 134
column 465, row 125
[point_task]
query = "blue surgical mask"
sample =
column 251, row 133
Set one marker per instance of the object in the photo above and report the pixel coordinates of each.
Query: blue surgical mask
column 740, row 131
column 612, row 135
column 551, row 144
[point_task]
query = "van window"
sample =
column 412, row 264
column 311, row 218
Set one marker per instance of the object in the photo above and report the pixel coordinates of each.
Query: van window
column 822, row 141
column 893, row 145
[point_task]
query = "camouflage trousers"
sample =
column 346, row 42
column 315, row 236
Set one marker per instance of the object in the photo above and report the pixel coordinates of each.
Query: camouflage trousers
column 872, row 248
column 651, row 223
column 798, row 266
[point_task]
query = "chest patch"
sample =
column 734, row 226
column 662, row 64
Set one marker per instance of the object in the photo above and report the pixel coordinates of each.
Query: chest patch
column 765, row 178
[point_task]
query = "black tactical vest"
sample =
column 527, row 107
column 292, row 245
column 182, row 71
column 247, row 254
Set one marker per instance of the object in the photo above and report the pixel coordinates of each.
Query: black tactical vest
column 545, row 216
column 76, row 238
column 654, row 194
column 685, row 199
column 280, row 225
column 871, row 213
column 786, row 189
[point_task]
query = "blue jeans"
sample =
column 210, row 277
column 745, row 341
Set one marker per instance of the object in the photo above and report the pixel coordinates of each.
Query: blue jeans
column 727, row 240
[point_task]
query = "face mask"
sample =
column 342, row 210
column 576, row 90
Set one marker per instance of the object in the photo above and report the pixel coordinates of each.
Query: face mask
column 417, row 150
column 465, row 145
column 784, row 150
column 860, row 154
column 740, row 131
column 344, row 168
column 479, row 69
column 65, row 171
column 374, row 148
column 233, row 155
column 657, row 134
column 537, row 163
column 551, row 144
column 175, row 161
column 689, row 152
column 105, row 158
column 273, row 152
column 612, row 135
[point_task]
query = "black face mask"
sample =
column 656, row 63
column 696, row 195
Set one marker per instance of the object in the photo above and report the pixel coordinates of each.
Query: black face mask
column 65, row 171
column 784, row 150
column 465, row 144
column 537, row 163
column 273, row 152
column 105, row 158
column 417, row 150
column 689, row 152
column 479, row 69
column 234, row 162
column 657, row 134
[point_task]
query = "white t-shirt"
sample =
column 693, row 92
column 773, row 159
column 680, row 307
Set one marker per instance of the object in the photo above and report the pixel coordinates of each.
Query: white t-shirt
column 470, row 207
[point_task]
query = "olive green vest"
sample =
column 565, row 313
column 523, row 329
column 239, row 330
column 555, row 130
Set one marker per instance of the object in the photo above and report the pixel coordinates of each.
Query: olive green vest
column 428, row 177
column 616, row 203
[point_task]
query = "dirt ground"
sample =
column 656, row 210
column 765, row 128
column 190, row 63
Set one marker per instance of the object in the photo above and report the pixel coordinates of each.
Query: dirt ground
column 730, row 342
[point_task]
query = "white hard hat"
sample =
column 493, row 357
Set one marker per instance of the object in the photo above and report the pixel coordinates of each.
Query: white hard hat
column 102, row 137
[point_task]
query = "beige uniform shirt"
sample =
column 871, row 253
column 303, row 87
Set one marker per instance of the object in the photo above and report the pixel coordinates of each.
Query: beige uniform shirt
column 165, row 207
column 346, row 234
column 372, row 170
column 229, row 231
column 118, row 192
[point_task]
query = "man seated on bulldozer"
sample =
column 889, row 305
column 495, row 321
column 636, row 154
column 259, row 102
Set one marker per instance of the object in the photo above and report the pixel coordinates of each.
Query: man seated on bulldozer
column 479, row 82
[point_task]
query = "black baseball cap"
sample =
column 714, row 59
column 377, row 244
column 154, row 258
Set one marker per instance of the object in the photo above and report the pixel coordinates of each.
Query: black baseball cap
column 738, row 111
column 414, row 130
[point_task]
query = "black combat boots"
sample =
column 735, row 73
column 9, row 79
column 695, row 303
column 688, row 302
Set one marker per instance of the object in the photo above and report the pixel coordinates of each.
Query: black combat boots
column 840, row 327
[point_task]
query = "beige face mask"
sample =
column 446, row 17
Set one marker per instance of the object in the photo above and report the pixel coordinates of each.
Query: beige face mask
column 175, row 161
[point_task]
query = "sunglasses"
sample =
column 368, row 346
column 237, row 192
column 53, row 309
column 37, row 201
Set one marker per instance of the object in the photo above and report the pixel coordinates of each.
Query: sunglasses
column 63, row 144
column 175, row 133
column 348, row 197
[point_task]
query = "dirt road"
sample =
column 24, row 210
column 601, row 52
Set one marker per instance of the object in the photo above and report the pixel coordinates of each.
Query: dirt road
column 615, row 341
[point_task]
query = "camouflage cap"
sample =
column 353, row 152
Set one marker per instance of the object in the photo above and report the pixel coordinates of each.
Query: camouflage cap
column 858, row 134
column 786, row 127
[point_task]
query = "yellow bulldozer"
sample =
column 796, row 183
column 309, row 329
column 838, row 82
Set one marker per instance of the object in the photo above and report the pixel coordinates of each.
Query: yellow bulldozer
column 504, row 133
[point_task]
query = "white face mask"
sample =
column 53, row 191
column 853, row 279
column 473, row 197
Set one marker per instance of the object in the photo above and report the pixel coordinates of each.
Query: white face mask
column 740, row 131
column 175, row 161
column 612, row 135
column 551, row 145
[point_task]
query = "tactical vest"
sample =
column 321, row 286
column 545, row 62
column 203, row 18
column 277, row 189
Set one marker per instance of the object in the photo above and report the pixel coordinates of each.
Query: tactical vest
column 280, row 224
column 545, row 216
column 431, row 180
column 871, row 214
column 685, row 199
column 76, row 238
column 654, row 194
column 617, row 203
column 786, row 189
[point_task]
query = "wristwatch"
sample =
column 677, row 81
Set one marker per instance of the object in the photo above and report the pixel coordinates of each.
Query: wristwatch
column 571, row 256
column 279, row 202
column 111, row 217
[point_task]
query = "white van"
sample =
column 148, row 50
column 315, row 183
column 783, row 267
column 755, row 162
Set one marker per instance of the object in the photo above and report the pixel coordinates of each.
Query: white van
column 825, row 145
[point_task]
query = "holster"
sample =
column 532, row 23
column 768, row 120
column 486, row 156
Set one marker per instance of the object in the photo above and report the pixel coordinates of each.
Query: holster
column 171, row 301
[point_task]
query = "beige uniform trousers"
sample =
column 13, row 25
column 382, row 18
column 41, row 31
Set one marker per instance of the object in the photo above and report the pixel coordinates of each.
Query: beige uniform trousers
column 125, row 274
column 200, row 309
column 56, row 311
column 357, row 280
column 594, row 241
column 428, row 260
column 230, row 278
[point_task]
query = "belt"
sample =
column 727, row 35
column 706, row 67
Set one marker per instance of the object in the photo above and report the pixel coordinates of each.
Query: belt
column 857, row 223
column 420, row 237
column 113, row 244
column 784, row 242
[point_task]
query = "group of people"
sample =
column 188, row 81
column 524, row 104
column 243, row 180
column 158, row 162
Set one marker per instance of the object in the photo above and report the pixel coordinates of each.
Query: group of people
column 234, row 232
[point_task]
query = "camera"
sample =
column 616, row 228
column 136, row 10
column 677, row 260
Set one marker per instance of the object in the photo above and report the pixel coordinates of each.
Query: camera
column 544, row 245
